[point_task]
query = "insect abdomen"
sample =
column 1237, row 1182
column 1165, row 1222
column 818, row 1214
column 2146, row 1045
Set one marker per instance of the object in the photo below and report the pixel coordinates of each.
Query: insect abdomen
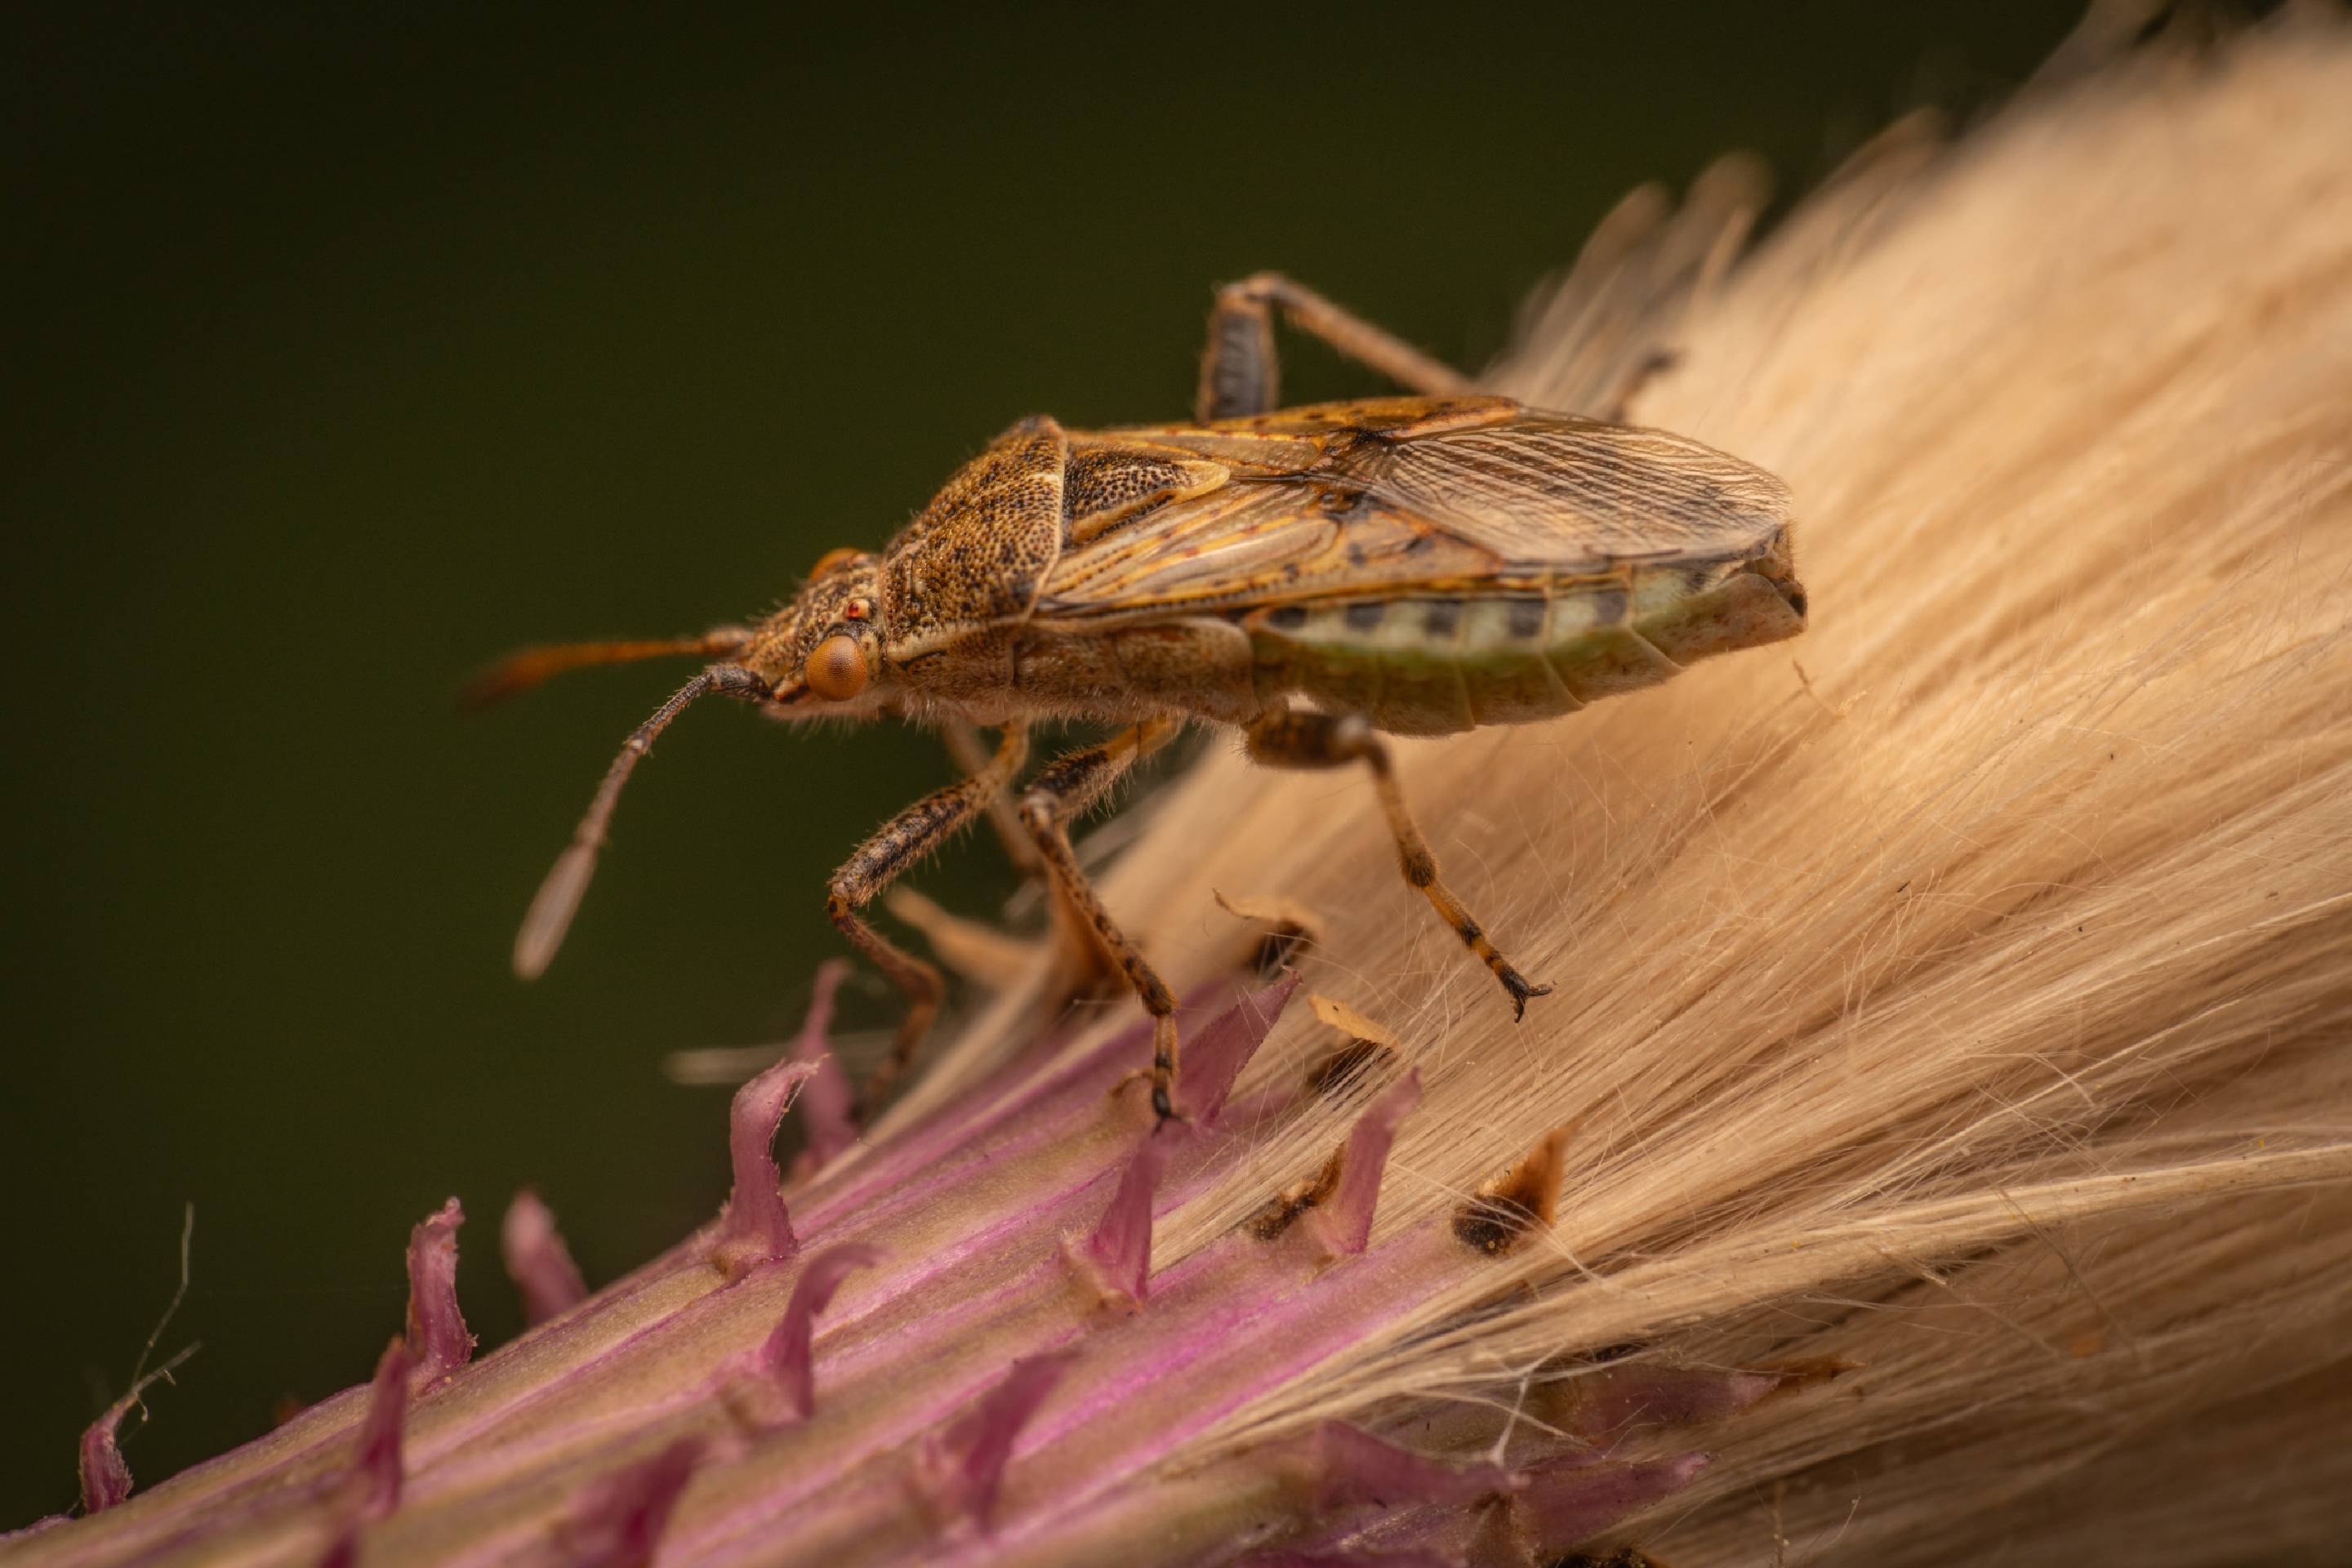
column 1433, row 664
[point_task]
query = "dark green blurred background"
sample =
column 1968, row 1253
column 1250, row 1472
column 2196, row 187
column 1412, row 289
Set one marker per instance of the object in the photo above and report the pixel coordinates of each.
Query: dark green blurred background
column 348, row 351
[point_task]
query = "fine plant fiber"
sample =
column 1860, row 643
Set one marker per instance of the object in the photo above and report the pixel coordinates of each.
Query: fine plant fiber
column 1962, row 990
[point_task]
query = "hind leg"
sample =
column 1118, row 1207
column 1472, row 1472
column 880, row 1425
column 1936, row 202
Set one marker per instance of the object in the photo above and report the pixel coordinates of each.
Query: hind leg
column 1288, row 739
column 1240, row 373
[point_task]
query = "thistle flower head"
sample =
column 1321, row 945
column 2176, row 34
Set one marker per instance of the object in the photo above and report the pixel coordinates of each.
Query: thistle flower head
column 1944, row 1088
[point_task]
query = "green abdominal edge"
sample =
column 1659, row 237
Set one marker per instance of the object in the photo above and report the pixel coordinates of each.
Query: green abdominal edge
column 1415, row 684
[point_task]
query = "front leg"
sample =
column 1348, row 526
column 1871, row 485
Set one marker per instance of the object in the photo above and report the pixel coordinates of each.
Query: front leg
column 1081, row 965
column 971, row 754
column 1288, row 739
column 1067, row 787
column 1239, row 371
column 879, row 862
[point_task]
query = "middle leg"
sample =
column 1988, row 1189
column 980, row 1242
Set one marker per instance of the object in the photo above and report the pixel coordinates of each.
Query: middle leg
column 1287, row 738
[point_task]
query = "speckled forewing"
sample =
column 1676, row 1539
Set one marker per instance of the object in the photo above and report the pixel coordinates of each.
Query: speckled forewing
column 1294, row 440
column 974, row 557
column 1250, row 543
column 1408, row 494
column 1107, row 484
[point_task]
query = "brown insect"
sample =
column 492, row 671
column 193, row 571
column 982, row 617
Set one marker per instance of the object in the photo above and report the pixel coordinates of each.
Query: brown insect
column 1315, row 576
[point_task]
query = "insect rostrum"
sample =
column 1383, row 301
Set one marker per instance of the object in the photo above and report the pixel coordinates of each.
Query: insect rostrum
column 1314, row 577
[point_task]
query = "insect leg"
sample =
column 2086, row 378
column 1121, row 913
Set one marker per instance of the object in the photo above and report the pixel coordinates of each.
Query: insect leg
column 972, row 754
column 1239, row 373
column 1289, row 739
column 1083, row 963
column 1068, row 786
column 879, row 862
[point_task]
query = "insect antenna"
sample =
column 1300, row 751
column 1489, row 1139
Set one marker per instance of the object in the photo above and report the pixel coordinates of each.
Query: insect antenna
column 559, row 897
column 518, row 672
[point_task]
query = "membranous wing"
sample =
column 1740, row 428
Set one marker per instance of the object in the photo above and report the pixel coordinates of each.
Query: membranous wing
column 1401, row 496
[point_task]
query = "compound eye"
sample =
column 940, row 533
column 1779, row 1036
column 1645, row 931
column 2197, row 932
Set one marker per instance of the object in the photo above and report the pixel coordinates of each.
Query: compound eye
column 836, row 669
